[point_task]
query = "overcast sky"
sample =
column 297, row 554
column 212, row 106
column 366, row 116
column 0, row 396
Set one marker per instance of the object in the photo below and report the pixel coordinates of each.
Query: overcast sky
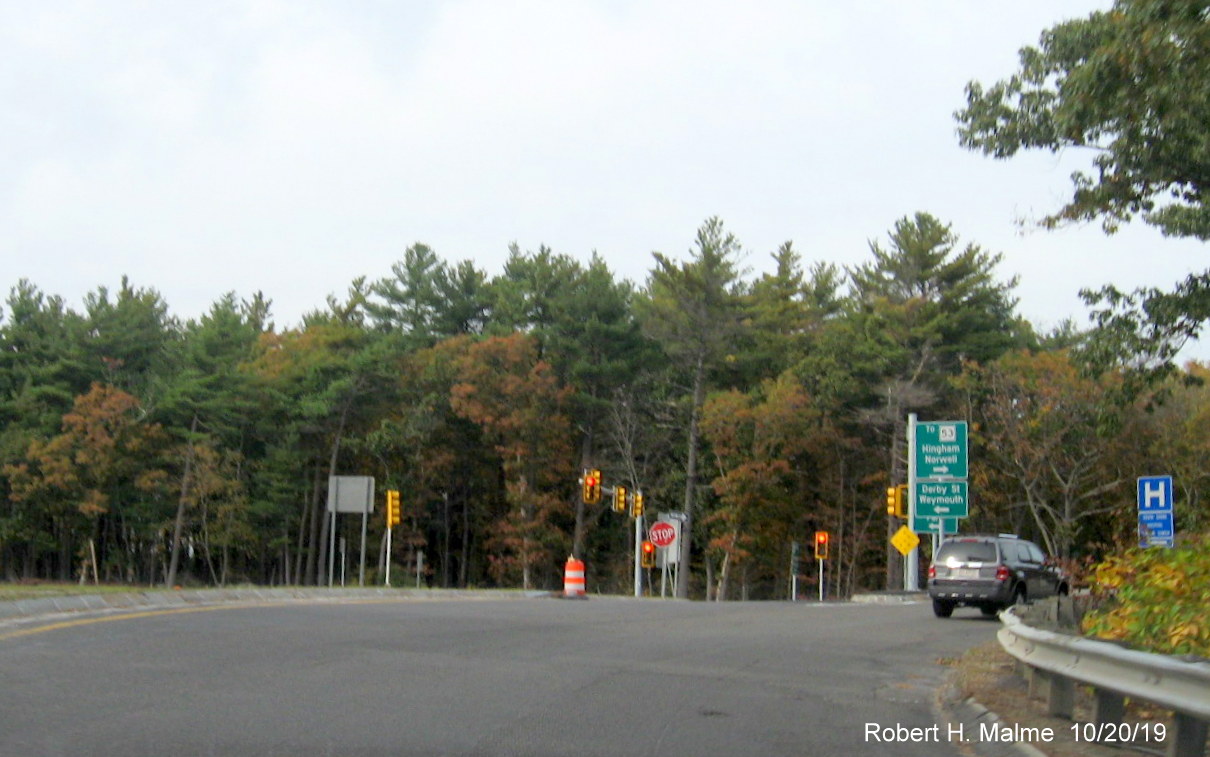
column 290, row 147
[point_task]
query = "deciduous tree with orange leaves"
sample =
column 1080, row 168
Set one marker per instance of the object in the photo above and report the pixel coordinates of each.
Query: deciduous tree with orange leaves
column 105, row 460
column 516, row 399
column 755, row 439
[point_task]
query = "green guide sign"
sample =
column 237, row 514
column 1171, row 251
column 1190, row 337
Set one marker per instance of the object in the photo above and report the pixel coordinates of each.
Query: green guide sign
column 948, row 499
column 941, row 450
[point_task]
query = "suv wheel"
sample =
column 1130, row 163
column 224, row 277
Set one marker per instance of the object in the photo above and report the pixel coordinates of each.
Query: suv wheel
column 942, row 609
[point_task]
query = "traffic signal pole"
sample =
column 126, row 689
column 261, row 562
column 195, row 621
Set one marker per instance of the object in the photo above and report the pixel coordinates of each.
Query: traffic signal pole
column 393, row 518
column 592, row 487
column 388, row 581
column 822, row 540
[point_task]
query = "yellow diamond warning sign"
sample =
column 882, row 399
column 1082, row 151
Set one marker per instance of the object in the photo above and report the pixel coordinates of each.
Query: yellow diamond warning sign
column 905, row 540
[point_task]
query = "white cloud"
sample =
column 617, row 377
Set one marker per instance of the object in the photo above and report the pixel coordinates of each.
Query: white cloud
column 292, row 146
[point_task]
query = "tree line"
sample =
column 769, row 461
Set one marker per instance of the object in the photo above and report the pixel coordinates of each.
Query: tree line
column 138, row 447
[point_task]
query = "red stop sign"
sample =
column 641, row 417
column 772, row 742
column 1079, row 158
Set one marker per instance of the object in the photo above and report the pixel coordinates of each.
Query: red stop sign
column 662, row 534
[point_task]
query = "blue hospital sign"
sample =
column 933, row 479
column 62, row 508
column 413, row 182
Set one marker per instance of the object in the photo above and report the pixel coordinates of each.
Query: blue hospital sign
column 1156, row 528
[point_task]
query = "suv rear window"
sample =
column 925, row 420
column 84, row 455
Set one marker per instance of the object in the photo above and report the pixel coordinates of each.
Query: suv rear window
column 966, row 551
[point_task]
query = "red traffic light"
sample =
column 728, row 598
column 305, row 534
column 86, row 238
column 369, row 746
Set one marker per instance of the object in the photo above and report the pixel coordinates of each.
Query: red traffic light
column 592, row 486
column 821, row 545
column 648, row 556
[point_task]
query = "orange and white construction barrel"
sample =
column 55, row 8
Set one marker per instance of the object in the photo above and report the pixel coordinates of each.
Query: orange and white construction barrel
column 573, row 579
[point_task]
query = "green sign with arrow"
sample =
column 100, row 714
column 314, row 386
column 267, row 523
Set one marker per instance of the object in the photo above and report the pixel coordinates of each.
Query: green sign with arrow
column 947, row 499
column 941, row 450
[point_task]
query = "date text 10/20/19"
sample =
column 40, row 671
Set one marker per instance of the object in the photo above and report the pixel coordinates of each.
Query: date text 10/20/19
column 1118, row 733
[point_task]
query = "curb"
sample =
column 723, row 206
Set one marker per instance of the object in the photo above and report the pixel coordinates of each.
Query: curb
column 970, row 714
column 31, row 608
column 889, row 597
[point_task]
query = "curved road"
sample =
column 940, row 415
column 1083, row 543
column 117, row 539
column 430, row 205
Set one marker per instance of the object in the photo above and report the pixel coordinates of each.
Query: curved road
column 488, row 677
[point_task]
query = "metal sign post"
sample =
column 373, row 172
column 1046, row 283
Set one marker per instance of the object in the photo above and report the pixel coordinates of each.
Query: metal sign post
column 331, row 541
column 638, row 556
column 793, row 571
column 349, row 494
column 910, row 558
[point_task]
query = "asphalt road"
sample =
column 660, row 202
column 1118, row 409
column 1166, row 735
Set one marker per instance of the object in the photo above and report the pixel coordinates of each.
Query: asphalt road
column 508, row 677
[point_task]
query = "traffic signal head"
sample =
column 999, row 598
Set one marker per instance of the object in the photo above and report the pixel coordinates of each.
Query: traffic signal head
column 896, row 501
column 394, row 516
column 648, row 552
column 821, row 545
column 619, row 499
column 636, row 505
column 592, row 486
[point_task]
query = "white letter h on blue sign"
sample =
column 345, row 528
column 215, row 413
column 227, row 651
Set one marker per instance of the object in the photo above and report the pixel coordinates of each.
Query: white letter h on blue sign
column 1153, row 494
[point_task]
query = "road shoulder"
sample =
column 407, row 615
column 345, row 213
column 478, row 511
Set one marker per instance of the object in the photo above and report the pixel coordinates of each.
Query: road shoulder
column 982, row 690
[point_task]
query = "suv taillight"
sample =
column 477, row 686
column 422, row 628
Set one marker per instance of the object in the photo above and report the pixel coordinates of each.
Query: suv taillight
column 1003, row 573
column 932, row 571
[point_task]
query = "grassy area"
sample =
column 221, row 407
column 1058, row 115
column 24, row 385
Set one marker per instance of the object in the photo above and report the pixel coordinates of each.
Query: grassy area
column 36, row 589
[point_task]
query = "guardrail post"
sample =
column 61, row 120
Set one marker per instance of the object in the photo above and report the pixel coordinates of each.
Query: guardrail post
column 1039, row 683
column 1061, row 699
column 1189, row 739
column 1109, row 707
column 1021, row 669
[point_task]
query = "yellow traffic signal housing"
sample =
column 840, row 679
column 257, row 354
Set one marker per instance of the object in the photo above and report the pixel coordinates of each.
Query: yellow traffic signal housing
column 648, row 552
column 394, row 516
column 896, row 501
column 821, row 545
column 619, row 499
column 636, row 505
column 592, row 486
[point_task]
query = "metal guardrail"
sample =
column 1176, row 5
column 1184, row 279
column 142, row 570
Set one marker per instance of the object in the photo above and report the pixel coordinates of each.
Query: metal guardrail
column 1059, row 662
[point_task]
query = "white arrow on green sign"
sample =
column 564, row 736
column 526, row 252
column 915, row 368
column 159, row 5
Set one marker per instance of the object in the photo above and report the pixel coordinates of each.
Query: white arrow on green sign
column 941, row 449
column 928, row 525
column 947, row 499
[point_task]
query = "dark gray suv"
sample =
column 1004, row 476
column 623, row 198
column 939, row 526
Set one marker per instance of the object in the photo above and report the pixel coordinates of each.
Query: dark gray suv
column 991, row 573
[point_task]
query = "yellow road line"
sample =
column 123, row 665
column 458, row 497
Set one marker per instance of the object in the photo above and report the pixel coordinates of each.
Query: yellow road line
column 106, row 619
column 178, row 611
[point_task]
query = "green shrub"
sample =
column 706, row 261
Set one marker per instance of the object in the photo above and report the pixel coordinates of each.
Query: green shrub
column 1155, row 599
